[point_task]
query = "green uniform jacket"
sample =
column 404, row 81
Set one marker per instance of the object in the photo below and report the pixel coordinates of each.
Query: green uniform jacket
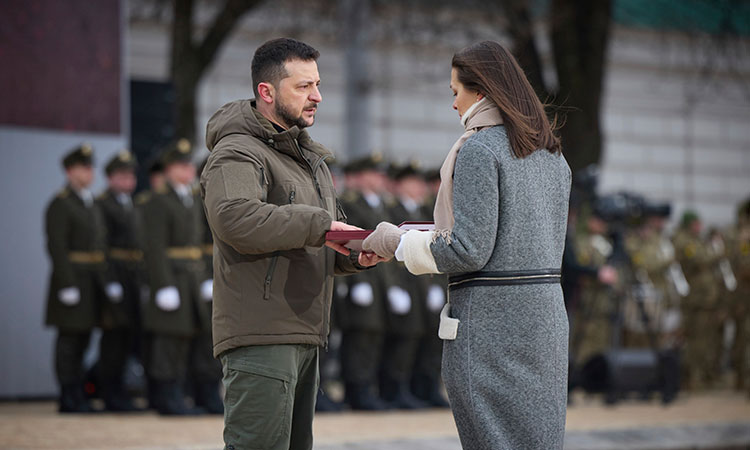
column 173, row 235
column 124, row 257
column 363, row 315
column 270, row 200
column 411, row 322
column 699, row 263
column 75, row 241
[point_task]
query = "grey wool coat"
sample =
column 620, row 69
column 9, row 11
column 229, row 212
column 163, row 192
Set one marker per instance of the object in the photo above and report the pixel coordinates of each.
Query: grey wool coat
column 506, row 372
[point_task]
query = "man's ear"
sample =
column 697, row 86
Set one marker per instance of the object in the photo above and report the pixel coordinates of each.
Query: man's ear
column 266, row 92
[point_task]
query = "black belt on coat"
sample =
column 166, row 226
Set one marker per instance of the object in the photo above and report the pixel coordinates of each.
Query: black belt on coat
column 505, row 278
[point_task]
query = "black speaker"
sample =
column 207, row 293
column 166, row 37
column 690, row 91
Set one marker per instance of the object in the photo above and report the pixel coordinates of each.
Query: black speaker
column 617, row 373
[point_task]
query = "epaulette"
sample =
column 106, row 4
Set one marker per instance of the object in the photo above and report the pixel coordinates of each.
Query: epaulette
column 103, row 196
column 64, row 193
column 197, row 189
column 142, row 197
column 349, row 196
column 161, row 190
column 391, row 202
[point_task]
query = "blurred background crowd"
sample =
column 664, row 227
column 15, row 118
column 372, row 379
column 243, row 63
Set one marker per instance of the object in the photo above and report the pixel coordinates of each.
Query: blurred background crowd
column 653, row 98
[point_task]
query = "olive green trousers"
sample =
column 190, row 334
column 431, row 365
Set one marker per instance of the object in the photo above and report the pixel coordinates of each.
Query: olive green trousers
column 270, row 396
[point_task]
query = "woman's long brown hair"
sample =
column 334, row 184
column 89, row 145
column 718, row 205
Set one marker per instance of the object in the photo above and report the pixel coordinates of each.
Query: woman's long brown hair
column 488, row 68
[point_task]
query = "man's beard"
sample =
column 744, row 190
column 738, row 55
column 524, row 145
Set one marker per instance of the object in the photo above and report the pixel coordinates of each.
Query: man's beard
column 289, row 119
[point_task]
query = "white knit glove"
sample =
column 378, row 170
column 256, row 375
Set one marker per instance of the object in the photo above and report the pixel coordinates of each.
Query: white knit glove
column 114, row 292
column 384, row 240
column 69, row 296
column 207, row 290
column 168, row 298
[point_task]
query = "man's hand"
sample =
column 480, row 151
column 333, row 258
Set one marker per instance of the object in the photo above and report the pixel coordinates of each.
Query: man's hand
column 340, row 226
column 368, row 259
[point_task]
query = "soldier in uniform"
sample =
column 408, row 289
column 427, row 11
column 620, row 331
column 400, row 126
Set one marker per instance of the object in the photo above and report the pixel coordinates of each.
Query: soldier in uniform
column 653, row 259
column 738, row 250
column 121, row 314
column 362, row 310
column 75, row 241
column 592, row 329
column 406, row 295
column 702, row 330
column 204, row 368
column 175, row 312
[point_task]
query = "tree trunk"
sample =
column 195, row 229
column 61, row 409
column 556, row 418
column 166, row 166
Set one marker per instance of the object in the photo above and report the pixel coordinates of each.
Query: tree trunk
column 189, row 60
column 580, row 35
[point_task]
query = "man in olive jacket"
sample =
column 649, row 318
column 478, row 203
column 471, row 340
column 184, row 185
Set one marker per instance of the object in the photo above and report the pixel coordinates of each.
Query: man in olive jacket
column 270, row 200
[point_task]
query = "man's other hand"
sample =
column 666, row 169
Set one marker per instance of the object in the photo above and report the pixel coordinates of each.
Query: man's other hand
column 340, row 226
column 368, row 259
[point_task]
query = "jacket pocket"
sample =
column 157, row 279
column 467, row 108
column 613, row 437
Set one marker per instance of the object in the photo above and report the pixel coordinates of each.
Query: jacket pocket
column 263, row 185
column 269, row 276
column 268, row 282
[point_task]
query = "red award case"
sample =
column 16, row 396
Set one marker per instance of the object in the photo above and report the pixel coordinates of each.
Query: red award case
column 353, row 239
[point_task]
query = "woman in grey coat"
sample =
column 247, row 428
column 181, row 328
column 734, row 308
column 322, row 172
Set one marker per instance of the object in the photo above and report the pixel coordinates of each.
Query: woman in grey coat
column 500, row 224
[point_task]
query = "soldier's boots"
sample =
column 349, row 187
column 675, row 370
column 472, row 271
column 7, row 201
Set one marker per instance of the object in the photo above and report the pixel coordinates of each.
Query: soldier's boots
column 398, row 394
column 170, row 400
column 115, row 397
column 427, row 389
column 207, row 397
column 324, row 404
column 360, row 397
column 73, row 400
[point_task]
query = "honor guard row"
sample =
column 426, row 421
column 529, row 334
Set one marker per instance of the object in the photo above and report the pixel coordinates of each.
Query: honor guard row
column 140, row 271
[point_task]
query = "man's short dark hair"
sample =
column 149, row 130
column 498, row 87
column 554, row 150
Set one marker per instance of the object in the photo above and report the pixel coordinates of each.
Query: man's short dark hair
column 268, row 61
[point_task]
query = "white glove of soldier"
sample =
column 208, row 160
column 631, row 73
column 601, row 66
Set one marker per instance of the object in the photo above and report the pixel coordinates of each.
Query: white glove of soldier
column 69, row 296
column 114, row 291
column 207, row 290
column 435, row 298
column 168, row 298
column 399, row 300
column 362, row 294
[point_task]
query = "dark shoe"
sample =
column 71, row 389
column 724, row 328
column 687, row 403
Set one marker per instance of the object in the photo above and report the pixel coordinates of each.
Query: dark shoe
column 171, row 401
column 360, row 397
column 325, row 404
column 207, row 397
column 116, row 399
column 73, row 400
column 427, row 389
column 399, row 395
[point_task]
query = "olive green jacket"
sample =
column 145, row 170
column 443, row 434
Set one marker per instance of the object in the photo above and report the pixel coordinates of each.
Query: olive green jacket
column 76, row 243
column 124, row 259
column 269, row 200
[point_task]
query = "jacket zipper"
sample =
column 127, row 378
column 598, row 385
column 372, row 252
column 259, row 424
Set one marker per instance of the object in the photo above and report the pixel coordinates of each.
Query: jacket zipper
column 272, row 266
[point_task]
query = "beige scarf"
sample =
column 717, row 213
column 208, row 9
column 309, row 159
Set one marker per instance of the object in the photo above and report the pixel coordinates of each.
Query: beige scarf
column 480, row 115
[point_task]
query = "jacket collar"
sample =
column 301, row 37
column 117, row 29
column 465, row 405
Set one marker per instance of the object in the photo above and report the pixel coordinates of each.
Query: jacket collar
column 285, row 142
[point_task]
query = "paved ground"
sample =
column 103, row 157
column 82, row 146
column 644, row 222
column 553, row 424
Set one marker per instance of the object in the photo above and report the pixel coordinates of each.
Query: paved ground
column 705, row 421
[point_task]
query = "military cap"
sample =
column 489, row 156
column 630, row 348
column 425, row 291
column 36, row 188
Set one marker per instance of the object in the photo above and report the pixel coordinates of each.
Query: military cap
column 407, row 170
column 657, row 210
column 688, row 217
column 373, row 161
column 123, row 160
column 178, row 151
column 432, row 175
column 156, row 166
column 83, row 154
column 744, row 210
